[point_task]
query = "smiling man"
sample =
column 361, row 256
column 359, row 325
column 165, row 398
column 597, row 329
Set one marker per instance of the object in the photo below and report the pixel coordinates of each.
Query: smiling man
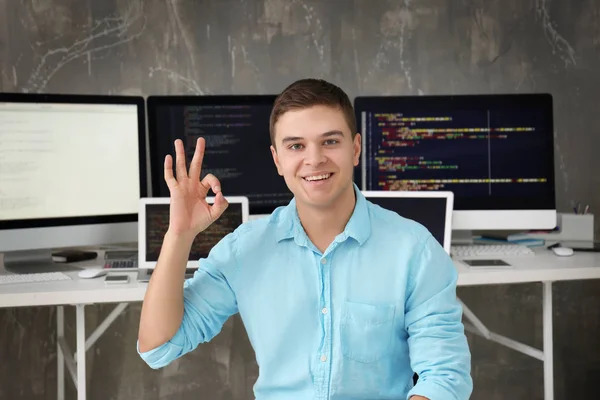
column 341, row 299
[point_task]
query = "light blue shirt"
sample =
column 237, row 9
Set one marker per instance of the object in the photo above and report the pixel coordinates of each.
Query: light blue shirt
column 353, row 322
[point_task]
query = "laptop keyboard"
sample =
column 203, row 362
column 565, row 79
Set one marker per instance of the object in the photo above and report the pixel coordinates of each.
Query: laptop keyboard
column 189, row 272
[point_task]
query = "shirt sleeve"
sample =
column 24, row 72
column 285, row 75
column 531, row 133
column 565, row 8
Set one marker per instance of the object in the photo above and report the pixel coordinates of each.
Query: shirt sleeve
column 438, row 347
column 209, row 300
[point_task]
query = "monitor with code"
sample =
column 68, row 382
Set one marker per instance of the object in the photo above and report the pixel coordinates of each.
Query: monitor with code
column 236, row 130
column 494, row 152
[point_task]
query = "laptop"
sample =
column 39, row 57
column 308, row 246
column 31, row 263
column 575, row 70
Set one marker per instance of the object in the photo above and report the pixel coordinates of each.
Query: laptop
column 154, row 222
column 432, row 209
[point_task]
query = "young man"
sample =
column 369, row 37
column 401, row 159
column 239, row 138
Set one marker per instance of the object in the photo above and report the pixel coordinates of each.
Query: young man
column 341, row 299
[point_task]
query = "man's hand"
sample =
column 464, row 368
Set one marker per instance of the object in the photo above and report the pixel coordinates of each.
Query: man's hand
column 190, row 214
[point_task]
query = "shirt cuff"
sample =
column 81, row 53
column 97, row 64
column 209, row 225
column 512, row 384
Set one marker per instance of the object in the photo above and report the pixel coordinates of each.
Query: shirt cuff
column 164, row 354
column 432, row 391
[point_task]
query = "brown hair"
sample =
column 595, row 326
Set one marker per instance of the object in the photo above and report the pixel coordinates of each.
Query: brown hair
column 306, row 93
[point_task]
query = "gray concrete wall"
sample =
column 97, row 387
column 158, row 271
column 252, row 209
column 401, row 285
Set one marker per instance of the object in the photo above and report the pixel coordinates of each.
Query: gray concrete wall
column 367, row 47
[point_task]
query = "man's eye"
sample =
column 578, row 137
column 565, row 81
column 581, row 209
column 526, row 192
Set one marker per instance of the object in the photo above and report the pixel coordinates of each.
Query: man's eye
column 331, row 141
column 296, row 146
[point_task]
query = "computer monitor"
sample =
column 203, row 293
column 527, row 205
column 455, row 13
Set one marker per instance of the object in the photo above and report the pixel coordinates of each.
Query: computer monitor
column 154, row 222
column 236, row 130
column 494, row 152
column 72, row 171
column 433, row 210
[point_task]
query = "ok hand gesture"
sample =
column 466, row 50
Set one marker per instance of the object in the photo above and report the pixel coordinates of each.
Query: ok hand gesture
column 190, row 213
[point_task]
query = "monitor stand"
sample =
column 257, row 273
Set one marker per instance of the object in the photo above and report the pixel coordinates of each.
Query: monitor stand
column 33, row 261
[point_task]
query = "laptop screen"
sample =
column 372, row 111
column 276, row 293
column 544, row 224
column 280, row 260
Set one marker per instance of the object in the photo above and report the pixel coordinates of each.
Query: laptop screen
column 428, row 211
column 157, row 223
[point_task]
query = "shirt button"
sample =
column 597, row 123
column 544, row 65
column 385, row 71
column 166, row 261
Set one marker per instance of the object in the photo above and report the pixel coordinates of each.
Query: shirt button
column 323, row 261
column 323, row 358
column 324, row 310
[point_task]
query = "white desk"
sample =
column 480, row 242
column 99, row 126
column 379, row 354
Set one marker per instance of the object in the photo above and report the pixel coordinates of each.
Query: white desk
column 544, row 267
column 77, row 292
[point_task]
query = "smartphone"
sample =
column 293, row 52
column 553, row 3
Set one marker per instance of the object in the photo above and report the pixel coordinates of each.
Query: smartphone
column 478, row 263
column 116, row 279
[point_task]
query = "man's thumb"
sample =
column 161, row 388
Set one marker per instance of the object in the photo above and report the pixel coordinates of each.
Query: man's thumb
column 220, row 205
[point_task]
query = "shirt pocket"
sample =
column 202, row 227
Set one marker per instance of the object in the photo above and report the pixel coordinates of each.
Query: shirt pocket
column 366, row 330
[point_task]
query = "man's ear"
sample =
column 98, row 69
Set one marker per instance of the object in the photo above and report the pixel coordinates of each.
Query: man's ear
column 276, row 160
column 357, row 148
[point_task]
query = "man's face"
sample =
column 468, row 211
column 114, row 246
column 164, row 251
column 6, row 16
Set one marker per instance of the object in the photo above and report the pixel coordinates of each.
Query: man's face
column 316, row 154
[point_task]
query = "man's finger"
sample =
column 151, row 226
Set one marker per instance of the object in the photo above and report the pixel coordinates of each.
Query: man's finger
column 210, row 182
column 169, row 179
column 196, row 165
column 219, row 206
column 180, row 160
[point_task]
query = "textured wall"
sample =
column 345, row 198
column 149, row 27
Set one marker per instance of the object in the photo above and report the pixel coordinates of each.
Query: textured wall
column 367, row 47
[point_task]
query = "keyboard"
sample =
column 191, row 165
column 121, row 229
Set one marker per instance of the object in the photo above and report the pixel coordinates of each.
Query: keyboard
column 33, row 278
column 490, row 250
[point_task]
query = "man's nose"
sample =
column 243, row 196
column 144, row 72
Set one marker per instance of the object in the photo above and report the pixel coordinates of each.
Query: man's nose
column 315, row 156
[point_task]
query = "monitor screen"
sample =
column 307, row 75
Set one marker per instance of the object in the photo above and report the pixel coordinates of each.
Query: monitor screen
column 431, row 212
column 236, row 130
column 70, row 160
column 157, row 223
column 494, row 152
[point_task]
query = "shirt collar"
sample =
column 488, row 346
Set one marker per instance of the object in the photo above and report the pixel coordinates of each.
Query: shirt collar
column 358, row 227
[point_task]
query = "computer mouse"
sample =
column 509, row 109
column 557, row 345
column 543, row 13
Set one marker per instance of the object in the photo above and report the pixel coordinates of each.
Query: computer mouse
column 91, row 273
column 562, row 251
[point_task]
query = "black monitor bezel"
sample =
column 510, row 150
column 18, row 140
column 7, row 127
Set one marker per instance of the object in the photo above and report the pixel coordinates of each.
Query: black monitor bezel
column 53, row 98
column 474, row 101
column 156, row 165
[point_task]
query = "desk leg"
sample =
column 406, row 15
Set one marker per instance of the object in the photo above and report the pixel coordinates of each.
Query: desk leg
column 60, row 367
column 81, row 375
column 546, row 356
column 548, row 343
column 75, row 362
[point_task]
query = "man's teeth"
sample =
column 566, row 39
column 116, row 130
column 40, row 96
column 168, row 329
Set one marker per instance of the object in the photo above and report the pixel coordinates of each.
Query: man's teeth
column 317, row 177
